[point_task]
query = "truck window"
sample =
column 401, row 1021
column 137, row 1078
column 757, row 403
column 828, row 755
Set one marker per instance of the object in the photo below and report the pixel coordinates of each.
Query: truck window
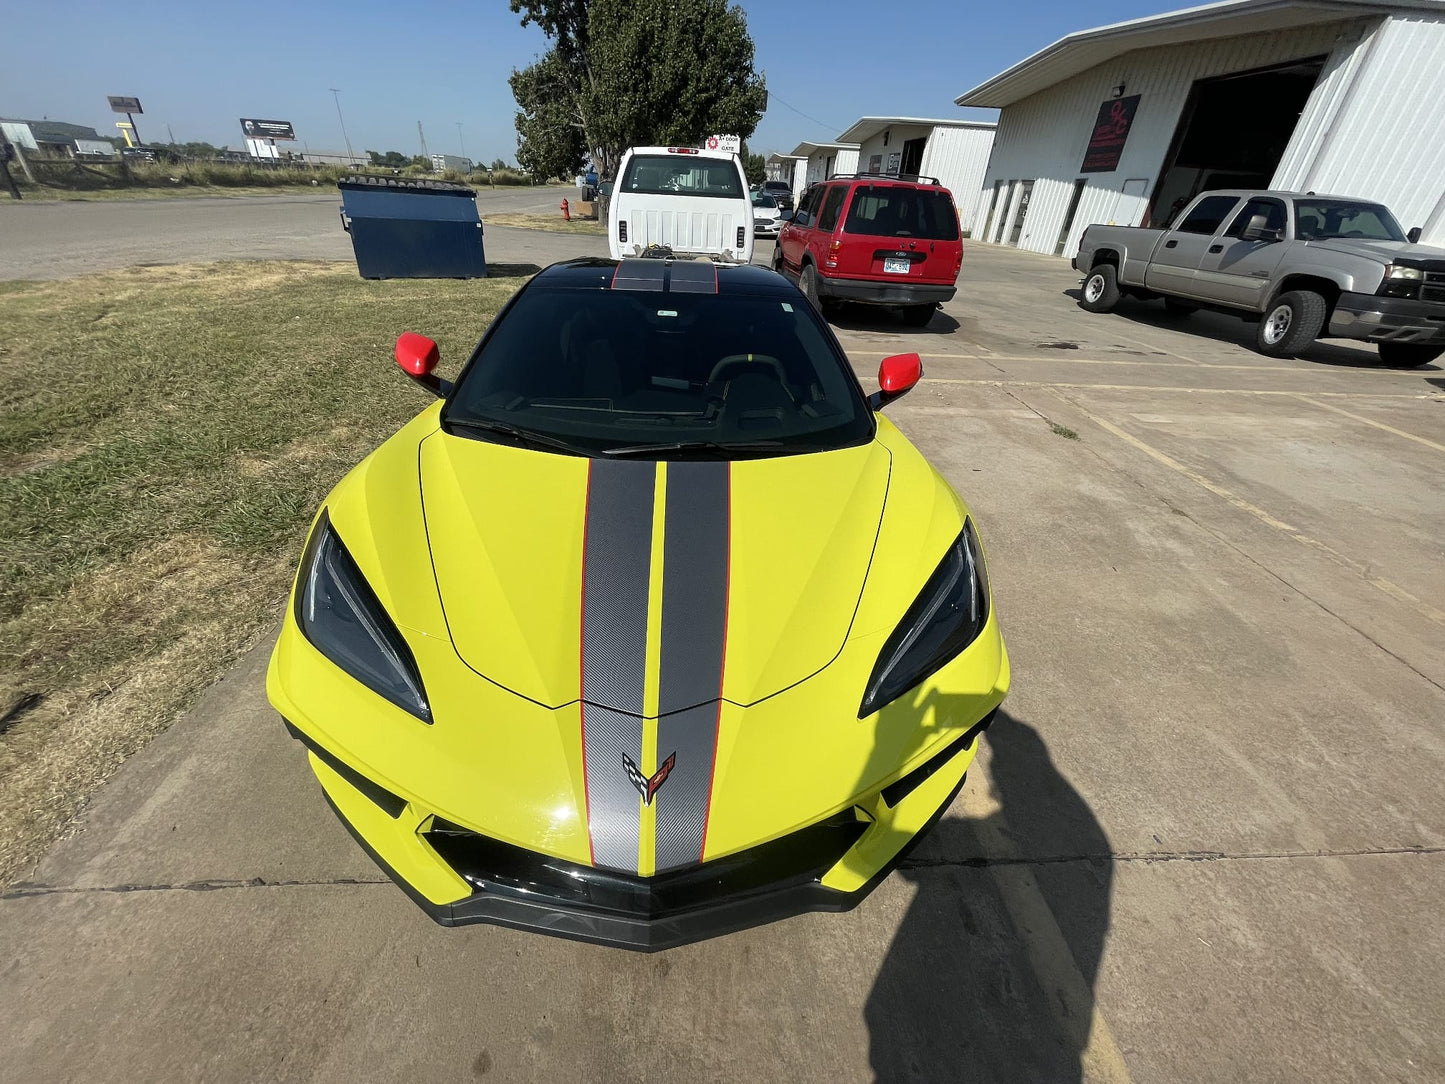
column 1272, row 209
column 668, row 175
column 828, row 218
column 1207, row 215
column 1320, row 219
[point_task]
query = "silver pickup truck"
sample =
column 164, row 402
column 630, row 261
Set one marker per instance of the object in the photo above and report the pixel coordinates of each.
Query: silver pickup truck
column 1302, row 265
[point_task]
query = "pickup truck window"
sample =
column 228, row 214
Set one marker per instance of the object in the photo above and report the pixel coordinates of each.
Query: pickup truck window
column 1207, row 215
column 1272, row 209
column 1324, row 219
column 665, row 175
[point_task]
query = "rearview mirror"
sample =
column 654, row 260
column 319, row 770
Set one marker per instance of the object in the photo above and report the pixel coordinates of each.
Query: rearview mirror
column 1414, row 235
column 897, row 376
column 418, row 357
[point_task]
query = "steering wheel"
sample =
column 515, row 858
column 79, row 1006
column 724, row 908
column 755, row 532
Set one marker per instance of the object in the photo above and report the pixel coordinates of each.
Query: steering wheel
column 734, row 360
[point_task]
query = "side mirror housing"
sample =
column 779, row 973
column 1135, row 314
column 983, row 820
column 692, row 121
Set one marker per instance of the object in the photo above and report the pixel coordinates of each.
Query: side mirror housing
column 418, row 357
column 1414, row 235
column 786, row 216
column 897, row 376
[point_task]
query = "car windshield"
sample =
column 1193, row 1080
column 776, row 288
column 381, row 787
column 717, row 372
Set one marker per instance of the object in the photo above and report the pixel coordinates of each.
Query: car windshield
column 895, row 211
column 682, row 175
column 1326, row 219
column 660, row 375
column 761, row 200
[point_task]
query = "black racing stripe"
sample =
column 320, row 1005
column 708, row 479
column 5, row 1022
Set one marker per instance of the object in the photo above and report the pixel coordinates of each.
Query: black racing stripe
column 692, row 277
column 616, row 566
column 694, row 627
column 640, row 274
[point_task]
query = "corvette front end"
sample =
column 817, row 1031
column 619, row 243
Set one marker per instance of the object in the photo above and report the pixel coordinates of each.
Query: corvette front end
column 640, row 701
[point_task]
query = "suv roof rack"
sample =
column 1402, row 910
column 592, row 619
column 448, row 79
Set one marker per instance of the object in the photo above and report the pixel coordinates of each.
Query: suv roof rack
column 917, row 177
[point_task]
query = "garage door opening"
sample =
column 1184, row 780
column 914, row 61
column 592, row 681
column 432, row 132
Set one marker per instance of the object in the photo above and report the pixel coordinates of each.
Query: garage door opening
column 1232, row 133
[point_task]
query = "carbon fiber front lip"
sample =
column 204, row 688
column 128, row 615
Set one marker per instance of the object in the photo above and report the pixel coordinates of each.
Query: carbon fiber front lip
column 726, row 915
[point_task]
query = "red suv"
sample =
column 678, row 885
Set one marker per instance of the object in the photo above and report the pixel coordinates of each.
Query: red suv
column 878, row 240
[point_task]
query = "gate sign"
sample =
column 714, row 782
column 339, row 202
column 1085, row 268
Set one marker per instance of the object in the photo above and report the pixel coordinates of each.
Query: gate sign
column 119, row 104
column 729, row 144
column 267, row 129
column 1111, row 130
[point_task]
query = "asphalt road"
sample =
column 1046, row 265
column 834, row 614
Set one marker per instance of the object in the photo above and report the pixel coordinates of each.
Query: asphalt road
column 54, row 240
column 1203, row 843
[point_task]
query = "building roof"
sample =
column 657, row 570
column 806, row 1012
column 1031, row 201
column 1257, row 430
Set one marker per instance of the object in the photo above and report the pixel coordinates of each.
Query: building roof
column 865, row 128
column 1085, row 49
column 779, row 156
column 806, row 149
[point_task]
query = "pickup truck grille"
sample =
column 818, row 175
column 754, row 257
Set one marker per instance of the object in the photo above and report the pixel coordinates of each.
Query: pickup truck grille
column 1433, row 288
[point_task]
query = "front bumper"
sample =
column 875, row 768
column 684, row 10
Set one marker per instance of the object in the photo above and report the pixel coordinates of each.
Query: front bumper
column 874, row 292
column 766, row 229
column 1388, row 319
column 511, row 886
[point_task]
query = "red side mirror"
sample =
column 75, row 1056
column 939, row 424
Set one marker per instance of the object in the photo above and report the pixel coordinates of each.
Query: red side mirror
column 416, row 354
column 896, row 377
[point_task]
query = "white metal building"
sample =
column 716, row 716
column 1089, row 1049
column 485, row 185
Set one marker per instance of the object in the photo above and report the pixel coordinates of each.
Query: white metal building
column 954, row 151
column 1124, row 123
column 821, row 161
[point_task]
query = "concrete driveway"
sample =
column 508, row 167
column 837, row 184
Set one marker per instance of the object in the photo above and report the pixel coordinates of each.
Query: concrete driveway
column 1204, row 842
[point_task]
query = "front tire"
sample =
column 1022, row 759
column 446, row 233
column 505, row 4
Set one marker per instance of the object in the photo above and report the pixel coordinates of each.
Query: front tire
column 919, row 315
column 1409, row 355
column 1101, row 288
column 1292, row 321
column 808, row 283
column 778, row 258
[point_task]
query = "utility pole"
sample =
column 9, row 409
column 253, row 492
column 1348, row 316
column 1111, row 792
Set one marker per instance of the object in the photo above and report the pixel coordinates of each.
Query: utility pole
column 422, row 134
column 336, row 93
column 170, row 133
column 460, row 140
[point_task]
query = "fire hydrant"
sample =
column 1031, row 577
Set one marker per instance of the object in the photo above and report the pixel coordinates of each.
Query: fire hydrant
column 566, row 214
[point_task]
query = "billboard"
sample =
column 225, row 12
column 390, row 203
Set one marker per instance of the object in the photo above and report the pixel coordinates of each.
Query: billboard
column 1111, row 130
column 119, row 104
column 267, row 129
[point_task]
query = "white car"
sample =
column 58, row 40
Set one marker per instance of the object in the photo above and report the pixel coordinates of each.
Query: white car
column 767, row 216
column 680, row 199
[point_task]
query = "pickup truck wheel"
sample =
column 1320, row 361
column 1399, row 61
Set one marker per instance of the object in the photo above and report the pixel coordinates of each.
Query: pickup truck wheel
column 1409, row 355
column 1174, row 307
column 1101, row 289
column 808, row 283
column 1291, row 323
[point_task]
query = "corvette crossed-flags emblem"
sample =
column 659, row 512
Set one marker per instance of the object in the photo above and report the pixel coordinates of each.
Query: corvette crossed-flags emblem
column 646, row 786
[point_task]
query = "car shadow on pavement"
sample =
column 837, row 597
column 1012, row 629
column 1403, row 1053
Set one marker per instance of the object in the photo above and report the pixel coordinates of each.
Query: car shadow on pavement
column 1218, row 327
column 848, row 317
column 991, row 974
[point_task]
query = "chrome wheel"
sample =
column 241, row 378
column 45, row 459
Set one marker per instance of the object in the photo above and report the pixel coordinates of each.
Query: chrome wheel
column 1094, row 288
column 1277, row 323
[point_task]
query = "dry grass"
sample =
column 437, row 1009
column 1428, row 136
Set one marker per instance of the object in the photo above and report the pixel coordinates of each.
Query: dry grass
column 552, row 222
column 165, row 434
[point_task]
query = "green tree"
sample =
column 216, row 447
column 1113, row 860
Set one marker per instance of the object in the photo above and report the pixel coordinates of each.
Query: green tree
column 624, row 73
column 755, row 167
column 550, row 139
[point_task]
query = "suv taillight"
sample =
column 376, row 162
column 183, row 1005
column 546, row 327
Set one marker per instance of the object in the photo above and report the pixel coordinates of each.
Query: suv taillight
column 742, row 236
column 834, row 247
column 622, row 230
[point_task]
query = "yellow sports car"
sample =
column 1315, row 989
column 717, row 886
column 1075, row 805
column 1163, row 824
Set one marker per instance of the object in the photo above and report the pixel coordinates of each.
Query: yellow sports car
column 653, row 628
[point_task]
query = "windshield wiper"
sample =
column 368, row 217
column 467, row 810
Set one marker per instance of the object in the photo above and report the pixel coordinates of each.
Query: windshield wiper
column 525, row 436
column 694, row 446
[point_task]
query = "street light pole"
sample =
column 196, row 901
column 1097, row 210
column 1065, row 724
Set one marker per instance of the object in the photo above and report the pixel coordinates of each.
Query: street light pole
column 335, row 93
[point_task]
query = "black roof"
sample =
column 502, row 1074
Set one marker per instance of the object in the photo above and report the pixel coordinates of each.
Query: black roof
column 591, row 273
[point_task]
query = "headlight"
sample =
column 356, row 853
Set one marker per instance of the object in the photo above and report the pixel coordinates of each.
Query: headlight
column 1401, row 281
column 1394, row 271
column 339, row 613
column 947, row 616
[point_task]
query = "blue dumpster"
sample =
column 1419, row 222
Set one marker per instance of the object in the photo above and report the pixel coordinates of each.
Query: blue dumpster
column 406, row 228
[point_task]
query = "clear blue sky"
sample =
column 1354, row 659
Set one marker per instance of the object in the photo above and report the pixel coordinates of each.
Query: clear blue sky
column 197, row 68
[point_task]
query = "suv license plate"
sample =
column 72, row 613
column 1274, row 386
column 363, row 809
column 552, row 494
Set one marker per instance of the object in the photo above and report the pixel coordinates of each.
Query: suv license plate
column 896, row 267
